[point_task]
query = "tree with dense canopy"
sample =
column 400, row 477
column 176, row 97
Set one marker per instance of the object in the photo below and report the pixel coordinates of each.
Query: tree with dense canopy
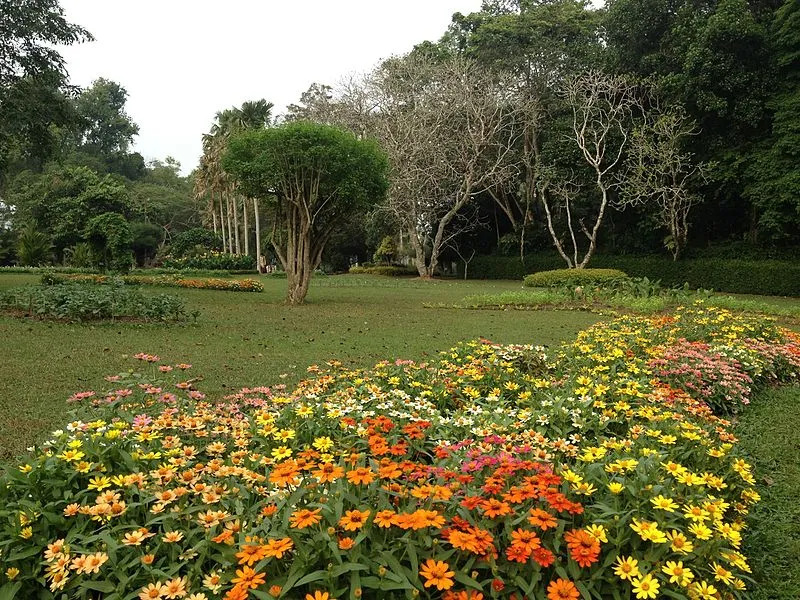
column 33, row 77
column 316, row 177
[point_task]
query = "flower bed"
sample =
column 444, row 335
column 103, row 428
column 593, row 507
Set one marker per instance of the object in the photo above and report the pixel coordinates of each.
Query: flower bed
column 491, row 472
column 231, row 285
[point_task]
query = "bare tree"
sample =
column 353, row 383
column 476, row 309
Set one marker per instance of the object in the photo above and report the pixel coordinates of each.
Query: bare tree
column 659, row 171
column 603, row 107
column 449, row 129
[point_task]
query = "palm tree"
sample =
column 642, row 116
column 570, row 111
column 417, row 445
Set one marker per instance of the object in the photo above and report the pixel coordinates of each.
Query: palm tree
column 214, row 182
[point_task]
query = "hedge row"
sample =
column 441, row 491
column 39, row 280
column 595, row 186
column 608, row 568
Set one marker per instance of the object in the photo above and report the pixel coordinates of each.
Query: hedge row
column 767, row 277
column 573, row 277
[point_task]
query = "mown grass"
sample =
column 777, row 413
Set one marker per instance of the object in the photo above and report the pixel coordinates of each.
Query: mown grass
column 769, row 431
column 250, row 339
column 786, row 308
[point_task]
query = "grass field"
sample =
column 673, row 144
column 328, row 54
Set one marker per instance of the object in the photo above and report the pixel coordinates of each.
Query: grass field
column 253, row 339
column 244, row 339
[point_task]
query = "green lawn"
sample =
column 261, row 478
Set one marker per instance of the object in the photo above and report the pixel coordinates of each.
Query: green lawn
column 244, row 339
column 770, row 433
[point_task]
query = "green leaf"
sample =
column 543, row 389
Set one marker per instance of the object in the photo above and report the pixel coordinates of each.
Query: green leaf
column 311, row 577
column 346, row 568
column 9, row 590
column 99, row 586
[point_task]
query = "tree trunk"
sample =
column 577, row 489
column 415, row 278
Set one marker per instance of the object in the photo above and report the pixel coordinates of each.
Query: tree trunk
column 258, row 235
column 246, row 228
column 222, row 225
column 230, row 225
column 236, row 225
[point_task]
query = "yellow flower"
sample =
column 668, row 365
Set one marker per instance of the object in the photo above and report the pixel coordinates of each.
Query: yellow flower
column 663, row 503
column 703, row 591
column 645, row 587
column 626, row 568
column 722, row 574
column 281, row 452
column 323, row 443
column 12, row 572
column 598, row 532
column 677, row 572
column 615, row 487
column 26, row 533
column 679, row 542
column 99, row 483
column 700, row 531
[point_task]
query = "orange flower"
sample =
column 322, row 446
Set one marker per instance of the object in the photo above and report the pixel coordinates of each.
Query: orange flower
column 384, row 518
column 354, row 519
column 494, row 508
column 318, row 595
column 269, row 510
column 464, row 541
column 346, row 543
column 301, row 519
column 250, row 554
column 583, row 547
column 275, row 590
column 148, row 559
column 389, row 470
column 542, row 519
column 247, row 578
column 525, row 539
column 562, row 589
column 279, row 547
column 328, row 472
column 361, row 476
column 517, row 553
column 436, row 574
column 237, row 593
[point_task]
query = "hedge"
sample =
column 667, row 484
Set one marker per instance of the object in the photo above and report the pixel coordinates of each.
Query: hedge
column 385, row 270
column 573, row 277
column 766, row 277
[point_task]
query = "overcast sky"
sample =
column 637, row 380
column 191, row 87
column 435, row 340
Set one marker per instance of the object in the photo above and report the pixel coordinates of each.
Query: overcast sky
column 181, row 61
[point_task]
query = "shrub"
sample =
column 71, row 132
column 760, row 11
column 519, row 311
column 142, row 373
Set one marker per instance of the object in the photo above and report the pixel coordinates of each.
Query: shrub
column 501, row 470
column 110, row 238
column 34, row 248
column 767, row 277
column 75, row 302
column 573, row 277
column 193, row 241
column 385, row 270
column 212, row 261
column 232, row 285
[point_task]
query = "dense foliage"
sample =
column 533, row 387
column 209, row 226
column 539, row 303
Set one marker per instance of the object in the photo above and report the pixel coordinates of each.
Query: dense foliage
column 599, row 470
column 211, row 261
column 317, row 177
column 573, row 277
column 740, row 276
column 176, row 280
column 80, row 302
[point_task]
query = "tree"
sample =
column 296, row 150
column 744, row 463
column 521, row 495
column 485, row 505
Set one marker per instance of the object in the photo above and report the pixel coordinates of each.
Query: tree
column 602, row 108
column 315, row 176
column 212, row 182
column 110, row 238
column 536, row 44
column 33, row 77
column 660, row 171
column 449, row 128
column 62, row 201
column 105, row 129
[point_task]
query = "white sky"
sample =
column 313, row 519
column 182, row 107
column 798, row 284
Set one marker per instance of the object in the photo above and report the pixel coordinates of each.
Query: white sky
column 181, row 61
